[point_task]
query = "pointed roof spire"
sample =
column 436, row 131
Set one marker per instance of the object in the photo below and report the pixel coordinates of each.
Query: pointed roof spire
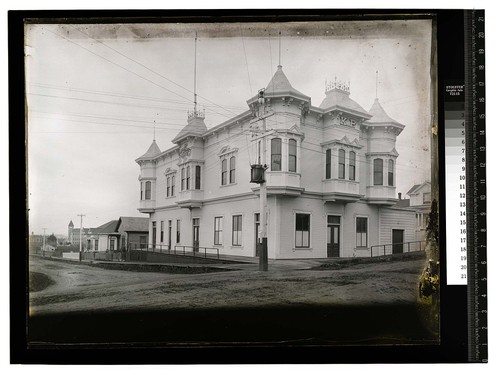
column 152, row 152
column 71, row 223
column 379, row 116
column 196, row 118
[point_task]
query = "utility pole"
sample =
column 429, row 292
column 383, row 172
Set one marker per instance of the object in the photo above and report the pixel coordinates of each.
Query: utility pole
column 258, row 176
column 43, row 243
column 263, row 262
column 81, row 230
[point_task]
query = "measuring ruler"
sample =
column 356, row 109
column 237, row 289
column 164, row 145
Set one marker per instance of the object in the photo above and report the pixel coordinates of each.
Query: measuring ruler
column 476, row 185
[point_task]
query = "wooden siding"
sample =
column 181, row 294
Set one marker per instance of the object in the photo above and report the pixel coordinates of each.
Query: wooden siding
column 391, row 218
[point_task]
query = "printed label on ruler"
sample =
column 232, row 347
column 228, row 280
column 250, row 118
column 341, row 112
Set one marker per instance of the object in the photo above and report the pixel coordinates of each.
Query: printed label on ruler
column 455, row 154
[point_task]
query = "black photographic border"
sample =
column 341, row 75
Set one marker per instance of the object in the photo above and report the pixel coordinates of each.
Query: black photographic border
column 449, row 28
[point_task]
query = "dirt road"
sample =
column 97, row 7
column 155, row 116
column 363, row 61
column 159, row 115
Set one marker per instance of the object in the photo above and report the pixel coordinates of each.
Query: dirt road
column 81, row 288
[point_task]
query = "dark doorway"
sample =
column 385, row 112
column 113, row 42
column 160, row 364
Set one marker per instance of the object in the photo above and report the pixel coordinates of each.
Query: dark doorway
column 196, row 235
column 333, row 237
column 397, row 241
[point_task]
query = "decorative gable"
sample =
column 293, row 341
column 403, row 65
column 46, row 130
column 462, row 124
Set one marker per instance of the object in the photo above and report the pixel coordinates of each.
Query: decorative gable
column 227, row 150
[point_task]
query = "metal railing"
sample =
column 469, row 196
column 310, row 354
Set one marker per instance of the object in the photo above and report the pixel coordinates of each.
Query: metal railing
column 199, row 251
column 406, row 247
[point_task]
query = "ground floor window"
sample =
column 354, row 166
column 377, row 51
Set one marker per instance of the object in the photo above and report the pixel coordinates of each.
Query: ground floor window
column 237, row 230
column 302, row 224
column 218, row 231
column 161, row 231
column 96, row 245
column 112, row 244
column 143, row 240
column 361, row 232
column 178, row 234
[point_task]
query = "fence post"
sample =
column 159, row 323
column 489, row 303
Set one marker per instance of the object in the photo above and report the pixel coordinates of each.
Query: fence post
column 408, row 247
column 384, row 249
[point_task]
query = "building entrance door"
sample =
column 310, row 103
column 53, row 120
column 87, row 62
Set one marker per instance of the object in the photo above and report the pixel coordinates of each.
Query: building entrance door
column 196, row 235
column 257, row 228
column 397, row 241
column 333, row 237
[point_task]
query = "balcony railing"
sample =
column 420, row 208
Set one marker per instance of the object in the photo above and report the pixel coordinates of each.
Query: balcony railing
column 402, row 248
column 183, row 250
column 147, row 205
column 341, row 186
column 381, row 192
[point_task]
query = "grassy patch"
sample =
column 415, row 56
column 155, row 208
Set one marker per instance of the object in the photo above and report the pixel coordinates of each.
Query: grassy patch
column 39, row 281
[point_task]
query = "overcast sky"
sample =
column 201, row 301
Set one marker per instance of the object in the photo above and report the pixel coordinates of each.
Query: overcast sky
column 94, row 92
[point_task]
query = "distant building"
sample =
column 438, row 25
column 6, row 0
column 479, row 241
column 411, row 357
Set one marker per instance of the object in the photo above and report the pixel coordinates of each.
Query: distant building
column 420, row 201
column 103, row 238
column 330, row 182
column 134, row 232
column 74, row 235
column 35, row 243
column 124, row 233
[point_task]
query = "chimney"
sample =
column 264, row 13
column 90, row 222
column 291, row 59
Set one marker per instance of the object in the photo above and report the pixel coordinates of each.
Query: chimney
column 399, row 196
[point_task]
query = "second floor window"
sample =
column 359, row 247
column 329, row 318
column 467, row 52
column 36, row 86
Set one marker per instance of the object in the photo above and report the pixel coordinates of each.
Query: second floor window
column 276, row 154
column 224, row 172
column 183, row 179
column 292, row 155
column 342, row 164
column 197, row 177
column 378, row 172
column 390, row 173
column 328, row 164
column 188, row 177
column 352, row 166
column 147, row 193
column 142, row 191
column 168, row 187
column 172, row 189
column 232, row 170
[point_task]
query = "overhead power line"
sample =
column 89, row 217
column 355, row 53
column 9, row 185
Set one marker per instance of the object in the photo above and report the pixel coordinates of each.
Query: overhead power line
column 151, row 70
column 126, row 69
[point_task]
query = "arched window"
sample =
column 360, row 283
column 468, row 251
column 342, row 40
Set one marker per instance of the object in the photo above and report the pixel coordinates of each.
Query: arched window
column 391, row 172
column 183, row 179
column 328, row 173
column 352, row 166
column 224, row 172
column 188, row 177
column 232, row 170
column 292, row 155
column 341, row 164
column 168, row 187
column 276, row 154
column 378, row 172
column 147, row 194
column 197, row 177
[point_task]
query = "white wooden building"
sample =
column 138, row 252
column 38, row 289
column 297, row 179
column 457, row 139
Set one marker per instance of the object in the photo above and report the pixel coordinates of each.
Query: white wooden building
column 331, row 179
